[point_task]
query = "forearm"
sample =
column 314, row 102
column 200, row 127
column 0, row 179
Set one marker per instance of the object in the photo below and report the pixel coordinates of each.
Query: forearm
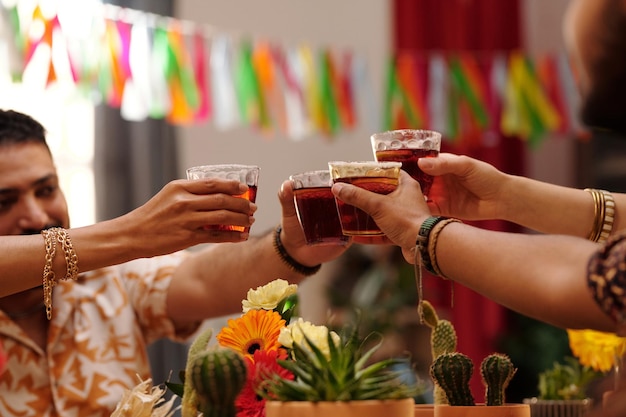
column 553, row 209
column 539, row 276
column 212, row 282
column 23, row 257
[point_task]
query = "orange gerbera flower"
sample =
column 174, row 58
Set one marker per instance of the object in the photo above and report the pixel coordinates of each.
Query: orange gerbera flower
column 255, row 330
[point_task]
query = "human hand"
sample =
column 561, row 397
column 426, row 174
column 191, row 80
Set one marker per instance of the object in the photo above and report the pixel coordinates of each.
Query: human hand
column 399, row 214
column 464, row 187
column 292, row 235
column 177, row 216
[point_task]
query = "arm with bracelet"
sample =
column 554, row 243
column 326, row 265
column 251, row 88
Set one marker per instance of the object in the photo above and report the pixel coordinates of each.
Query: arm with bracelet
column 470, row 189
column 541, row 276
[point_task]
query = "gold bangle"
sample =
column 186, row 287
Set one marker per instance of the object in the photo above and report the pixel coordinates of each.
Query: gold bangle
column 49, row 277
column 609, row 216
column 432, row 244
column 604, row 215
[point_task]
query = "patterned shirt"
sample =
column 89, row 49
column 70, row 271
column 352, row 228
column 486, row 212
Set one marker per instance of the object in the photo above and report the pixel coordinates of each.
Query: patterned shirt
column 607, row 277
column 96, row 343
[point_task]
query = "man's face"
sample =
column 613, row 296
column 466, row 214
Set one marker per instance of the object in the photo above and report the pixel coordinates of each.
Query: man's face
column 30, row 197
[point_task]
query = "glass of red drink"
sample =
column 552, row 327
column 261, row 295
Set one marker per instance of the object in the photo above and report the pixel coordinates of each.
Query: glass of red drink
column 379, row 177
column 247, row 174
column 316, row 208
column 407, row 146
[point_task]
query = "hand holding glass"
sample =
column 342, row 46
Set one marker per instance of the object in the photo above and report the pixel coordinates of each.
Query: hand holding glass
column 407, row 146
column 247, row 174
column 316, row 208
column 379, row 177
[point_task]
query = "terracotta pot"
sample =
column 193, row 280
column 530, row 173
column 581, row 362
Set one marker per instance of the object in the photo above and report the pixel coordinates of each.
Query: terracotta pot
column 481, row 410
column 424, row 410
column 558, row 408
column 368, row 408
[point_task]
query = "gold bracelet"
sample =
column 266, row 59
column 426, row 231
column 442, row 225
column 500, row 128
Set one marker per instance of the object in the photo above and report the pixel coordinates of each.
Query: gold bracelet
column 604, row 215
column 432, row 244
column 51, row 237
column 49, row 277
column 71, row 259
column 609, row 216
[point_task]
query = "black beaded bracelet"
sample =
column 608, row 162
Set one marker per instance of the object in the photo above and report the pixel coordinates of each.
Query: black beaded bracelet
column 422, row 241
column 288, row 260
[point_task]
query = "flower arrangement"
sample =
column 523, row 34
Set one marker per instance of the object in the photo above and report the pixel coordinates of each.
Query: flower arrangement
column 269, row 354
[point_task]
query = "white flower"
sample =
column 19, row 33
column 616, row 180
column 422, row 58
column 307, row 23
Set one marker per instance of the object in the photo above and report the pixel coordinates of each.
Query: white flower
column 318, row 335
column 268, row 296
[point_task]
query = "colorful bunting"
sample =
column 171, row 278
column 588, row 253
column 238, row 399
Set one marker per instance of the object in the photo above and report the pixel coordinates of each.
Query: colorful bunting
column 203, row 113
column 180, row 78
column 159, row 68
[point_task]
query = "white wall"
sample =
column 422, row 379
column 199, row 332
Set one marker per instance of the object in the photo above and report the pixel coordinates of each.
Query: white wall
column 553, row 160
column 360, row 25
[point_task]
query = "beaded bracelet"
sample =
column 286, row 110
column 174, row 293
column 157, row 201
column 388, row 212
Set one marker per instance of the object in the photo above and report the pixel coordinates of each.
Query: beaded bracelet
column 422, row 241
column 604, row 215
column 424, row 244
column 288, row 260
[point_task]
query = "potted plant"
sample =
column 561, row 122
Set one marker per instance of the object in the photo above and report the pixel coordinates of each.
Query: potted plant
column 269, row 363
column 563, row 390
column 451, row 372
column 335, row 378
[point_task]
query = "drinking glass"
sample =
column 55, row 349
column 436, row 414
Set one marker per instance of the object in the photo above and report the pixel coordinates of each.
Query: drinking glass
column 247, row 174
column 379, row 177
column 316, row 208
column 407, row 146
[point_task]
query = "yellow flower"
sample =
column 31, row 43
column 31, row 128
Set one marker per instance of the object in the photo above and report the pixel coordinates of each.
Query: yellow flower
column 255, row 330
column 268, row 296
column 597, row 350
column 294, row 333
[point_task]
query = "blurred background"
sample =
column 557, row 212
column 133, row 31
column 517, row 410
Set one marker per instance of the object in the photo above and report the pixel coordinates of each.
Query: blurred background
column 134, row 92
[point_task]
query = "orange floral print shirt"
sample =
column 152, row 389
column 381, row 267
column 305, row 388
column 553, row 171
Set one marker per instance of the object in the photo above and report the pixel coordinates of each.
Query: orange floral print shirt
column 97, row 339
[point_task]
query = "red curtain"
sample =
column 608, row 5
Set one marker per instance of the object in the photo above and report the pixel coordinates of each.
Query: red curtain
column 480, row 27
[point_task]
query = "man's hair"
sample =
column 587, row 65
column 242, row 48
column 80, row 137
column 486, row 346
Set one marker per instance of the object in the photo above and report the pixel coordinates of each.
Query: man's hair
column 605, row 104
column 16, row 128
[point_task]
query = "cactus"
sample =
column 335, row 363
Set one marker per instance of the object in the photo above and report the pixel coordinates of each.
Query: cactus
column 442, row 340
column 452, row 372
column 217, row 376
column 496, row 371
column 189, row 403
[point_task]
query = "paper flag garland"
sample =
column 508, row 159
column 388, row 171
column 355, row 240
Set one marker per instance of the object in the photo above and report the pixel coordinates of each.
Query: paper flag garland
column 157, row 67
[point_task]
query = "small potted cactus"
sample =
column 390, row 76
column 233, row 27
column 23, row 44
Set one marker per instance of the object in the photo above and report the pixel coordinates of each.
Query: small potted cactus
column 451, row 372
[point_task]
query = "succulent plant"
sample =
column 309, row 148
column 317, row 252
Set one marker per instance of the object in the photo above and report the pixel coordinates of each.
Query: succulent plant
column 442, row 340
column 566, row 381
column 343, row 375
column 496, row 371
column 217, row 376
column 452, row 373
